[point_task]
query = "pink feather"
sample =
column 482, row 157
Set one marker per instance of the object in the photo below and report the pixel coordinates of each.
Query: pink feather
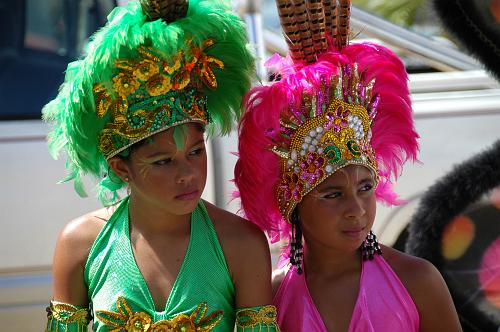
column 257, row 172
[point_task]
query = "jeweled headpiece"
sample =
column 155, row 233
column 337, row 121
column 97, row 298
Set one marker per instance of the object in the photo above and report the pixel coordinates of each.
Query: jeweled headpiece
column 149, row 94
column 329, row 130
column 334, row 105
column 155, row 65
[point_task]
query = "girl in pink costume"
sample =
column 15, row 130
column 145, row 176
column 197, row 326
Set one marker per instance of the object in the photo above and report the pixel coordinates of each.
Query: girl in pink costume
column 317, row 149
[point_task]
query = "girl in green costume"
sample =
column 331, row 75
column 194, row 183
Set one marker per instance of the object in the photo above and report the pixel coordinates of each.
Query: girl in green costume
column 133, row 113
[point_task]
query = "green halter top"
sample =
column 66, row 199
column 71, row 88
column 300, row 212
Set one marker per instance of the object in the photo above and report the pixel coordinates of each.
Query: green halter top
column 202, row 295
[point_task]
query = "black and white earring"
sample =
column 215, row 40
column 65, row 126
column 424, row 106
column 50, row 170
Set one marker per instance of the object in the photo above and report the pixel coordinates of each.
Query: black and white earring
column 370, row 246
column 296, row 248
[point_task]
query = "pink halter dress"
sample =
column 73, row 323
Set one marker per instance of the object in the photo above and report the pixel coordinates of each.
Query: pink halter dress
column 383, row 303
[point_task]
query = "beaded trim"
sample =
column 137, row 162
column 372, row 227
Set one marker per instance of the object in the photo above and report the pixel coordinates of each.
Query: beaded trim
column 128, row 320
column 132, row 142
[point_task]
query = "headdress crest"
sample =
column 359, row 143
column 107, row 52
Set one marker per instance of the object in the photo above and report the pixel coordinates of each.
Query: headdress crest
column 334, row 105
column 156, row 64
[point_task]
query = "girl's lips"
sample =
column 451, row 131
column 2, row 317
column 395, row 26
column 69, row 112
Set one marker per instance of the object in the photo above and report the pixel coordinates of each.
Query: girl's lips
column 188, row 196
column 355, row 234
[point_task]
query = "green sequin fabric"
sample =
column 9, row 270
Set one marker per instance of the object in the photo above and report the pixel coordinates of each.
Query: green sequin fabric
column 119, row 294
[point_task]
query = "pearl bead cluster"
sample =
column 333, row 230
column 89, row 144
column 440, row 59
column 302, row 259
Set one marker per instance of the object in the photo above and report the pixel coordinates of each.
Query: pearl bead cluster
column 310, row 144
column 356, row 124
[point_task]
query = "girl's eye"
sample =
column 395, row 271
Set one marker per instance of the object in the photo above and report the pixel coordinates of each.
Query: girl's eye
column 162, row 162
column 332, row 195
column 196, row 151
column 367, row 187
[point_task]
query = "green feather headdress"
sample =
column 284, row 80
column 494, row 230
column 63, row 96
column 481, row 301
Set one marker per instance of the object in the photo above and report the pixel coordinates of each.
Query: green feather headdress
column 143, row 75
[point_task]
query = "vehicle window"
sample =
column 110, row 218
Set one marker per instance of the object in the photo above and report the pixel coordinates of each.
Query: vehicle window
column 37, row 42
column 45, row 26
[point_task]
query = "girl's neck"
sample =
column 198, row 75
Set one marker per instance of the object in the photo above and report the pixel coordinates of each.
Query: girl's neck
column 150, row 219
column 328, row 262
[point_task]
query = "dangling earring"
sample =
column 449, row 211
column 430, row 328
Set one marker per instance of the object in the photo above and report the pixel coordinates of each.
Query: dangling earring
column 296, row 248
column 370, row 246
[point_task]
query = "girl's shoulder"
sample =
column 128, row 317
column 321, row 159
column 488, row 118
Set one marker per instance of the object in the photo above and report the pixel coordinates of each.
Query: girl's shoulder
column 80, row 233
column 427, row 288
column 234, row 231
column 71, row 252
column 414, row 272
column 246, row 251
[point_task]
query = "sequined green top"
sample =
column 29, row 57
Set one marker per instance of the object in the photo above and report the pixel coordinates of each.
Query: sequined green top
column 202, row 296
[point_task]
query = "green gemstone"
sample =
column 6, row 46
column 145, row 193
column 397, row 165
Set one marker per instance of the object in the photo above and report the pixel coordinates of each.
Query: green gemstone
column 333, row 154
column 354, row 148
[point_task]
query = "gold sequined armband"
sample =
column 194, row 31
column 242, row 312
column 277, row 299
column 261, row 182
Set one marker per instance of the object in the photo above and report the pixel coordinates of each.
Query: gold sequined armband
column 63, row 317
column 262, row 318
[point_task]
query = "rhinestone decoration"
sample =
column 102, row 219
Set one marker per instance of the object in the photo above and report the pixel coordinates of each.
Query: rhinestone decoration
column 329, row 130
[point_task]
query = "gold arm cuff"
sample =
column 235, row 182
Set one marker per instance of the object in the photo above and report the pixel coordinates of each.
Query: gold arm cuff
column 261, row 317
column 64, row 317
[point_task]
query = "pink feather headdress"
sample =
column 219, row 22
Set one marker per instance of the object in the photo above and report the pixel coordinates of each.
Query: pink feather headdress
column 337, row 106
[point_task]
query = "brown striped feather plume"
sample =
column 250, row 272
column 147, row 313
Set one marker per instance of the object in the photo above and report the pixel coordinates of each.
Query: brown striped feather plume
column 306, row 41
column 344, row 16
column 308, row 23
column 168, row 10
column 330, row 10
column 317, row 25
column 286, row 10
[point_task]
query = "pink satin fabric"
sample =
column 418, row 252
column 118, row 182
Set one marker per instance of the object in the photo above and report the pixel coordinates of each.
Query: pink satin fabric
column 383, row 303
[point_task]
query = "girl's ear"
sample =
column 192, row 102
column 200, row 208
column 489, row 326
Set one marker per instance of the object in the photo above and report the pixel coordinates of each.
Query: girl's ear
column 120, row 167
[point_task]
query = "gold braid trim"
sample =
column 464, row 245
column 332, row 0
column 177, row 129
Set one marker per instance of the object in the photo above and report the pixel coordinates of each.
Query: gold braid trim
column 257, row 317
column 66, row 317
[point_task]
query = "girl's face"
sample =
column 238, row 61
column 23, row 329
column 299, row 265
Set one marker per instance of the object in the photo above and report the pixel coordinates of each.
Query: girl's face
column 168, row 173
column 339, row 213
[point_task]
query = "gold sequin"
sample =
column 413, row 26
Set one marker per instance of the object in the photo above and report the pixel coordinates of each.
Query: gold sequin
column 145, row 80
column 102, row 100
column 125, row 84
column 59, row 313
column 175, row 67
column 265, row 316
column 145, row 70
column 158, row 85
column 128, row 320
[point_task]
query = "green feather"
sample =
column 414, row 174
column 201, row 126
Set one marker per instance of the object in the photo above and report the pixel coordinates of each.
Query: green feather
column 75, row 124
column 180, row 136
